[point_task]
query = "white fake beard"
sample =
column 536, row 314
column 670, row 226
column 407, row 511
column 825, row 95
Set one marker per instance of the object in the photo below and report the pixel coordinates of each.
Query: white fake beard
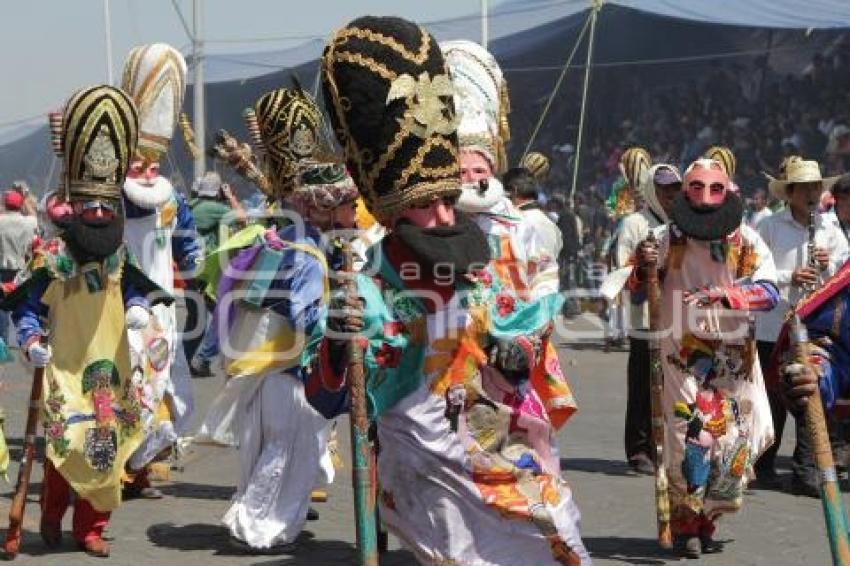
column 148, row 197
column 473, row 201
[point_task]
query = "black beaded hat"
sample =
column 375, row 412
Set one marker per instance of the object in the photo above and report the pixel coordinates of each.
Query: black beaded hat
column 390, row 102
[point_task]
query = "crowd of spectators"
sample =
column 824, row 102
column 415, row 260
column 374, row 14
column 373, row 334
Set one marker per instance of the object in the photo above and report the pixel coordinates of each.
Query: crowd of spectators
column 761, row 115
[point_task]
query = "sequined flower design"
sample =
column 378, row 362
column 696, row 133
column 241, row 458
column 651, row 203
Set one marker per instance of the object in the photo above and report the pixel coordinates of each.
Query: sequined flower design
column 505, row 304
column 388, row 356
column 427, row 112
column 54, row 432
column 128, row 419
column 484, row 277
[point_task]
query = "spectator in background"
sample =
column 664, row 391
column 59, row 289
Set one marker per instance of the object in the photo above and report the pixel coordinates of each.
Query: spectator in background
column 838, row 150
column 30, row 205
column 600, row 224
column 570, row 227
column 17, row 233
column 841, row 193
column 584, row 213
column 213, row 201
column 759, row 209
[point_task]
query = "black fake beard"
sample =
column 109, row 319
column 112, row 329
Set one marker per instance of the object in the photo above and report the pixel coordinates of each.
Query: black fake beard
column 462, row 246
column 94, row 243
column 709, row 223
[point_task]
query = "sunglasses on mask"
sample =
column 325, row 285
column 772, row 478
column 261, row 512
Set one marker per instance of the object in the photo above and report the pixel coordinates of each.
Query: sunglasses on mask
column 448, row 201
column 94, row 205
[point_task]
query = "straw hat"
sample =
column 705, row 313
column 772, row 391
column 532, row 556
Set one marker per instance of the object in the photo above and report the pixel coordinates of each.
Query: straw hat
column 795, row 169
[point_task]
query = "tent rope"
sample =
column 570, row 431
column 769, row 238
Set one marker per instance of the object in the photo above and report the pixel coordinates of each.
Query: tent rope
column 664, row 60
column 597, row 5
column 557, row 87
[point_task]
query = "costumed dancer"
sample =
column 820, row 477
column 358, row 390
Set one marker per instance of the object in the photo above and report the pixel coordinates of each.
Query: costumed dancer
column 83, row 295
column 272, row 297
column 716, row 413
column 658, row 188
column 519, row 258
column 461, row 378
column 160, row 232
column 633, row 163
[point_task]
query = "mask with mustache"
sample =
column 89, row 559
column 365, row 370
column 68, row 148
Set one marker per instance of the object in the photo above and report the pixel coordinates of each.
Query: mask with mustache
column 94, row 243
column 142, row 198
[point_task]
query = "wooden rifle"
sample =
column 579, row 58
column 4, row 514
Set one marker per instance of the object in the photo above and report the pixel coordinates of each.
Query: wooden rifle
column 363, row 473
column 19, row 500
column 656, row 385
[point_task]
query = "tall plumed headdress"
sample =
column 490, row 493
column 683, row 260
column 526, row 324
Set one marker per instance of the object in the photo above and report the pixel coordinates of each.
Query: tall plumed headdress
column 724, row 156
column 391, row 105
column 288, row 128
column 634, row 166
column 155, row 76
column 287, row 133
column 97, row 136
column 481, row 100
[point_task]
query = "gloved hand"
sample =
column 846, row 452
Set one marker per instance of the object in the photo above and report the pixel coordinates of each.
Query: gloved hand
column 137, row 317
column 799, row 383
column 345, row 315
column 39, row 355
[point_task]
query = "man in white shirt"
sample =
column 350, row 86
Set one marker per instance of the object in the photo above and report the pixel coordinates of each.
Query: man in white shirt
column 760, row 211
column 658, row 190
column 786, row 234
column 521, row 187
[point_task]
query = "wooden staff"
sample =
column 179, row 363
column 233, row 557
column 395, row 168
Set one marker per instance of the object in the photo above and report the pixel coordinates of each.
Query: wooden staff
column 19, row 501
column 363, row 473
column 656, row 384
column 830, row 491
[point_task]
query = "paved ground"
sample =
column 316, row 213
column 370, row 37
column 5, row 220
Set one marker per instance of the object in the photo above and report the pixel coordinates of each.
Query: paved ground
column 618, row 521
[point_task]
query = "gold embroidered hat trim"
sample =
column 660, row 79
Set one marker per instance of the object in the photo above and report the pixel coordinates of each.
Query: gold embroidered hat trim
column 290, row 127
column 390, row 100
column 100, row 130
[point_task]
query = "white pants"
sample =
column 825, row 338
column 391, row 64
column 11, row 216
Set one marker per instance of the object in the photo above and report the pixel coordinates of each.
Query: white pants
column 283, row 456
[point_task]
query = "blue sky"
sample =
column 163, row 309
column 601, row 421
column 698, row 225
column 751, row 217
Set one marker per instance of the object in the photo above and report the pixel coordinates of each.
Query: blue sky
column 50, row 48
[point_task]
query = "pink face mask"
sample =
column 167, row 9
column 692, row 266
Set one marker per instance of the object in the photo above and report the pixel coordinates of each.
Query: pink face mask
column 145, row 173
column 706, row 184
